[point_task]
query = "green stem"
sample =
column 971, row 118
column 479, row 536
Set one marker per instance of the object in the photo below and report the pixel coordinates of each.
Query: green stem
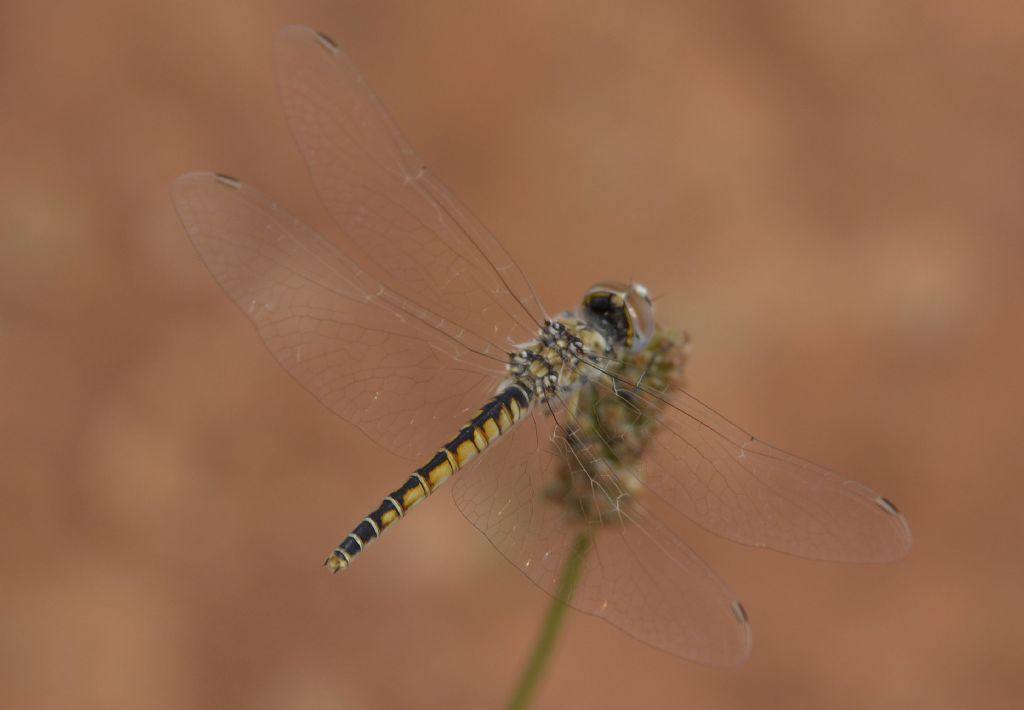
column 552, row 623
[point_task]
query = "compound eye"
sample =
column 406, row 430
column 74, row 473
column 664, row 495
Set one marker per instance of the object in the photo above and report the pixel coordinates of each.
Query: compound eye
column 642, row 292
column 640, row 311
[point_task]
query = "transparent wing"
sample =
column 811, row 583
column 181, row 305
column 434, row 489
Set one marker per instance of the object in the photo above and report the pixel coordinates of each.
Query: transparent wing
column 637, row 574
column 739, row 487
column 405, row 376
column 415, row 237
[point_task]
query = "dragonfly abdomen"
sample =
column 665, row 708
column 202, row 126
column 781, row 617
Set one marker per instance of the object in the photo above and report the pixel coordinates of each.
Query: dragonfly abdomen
column 493, row 420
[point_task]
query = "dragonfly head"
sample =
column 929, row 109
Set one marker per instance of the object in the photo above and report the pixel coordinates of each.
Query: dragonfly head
column 623, row 313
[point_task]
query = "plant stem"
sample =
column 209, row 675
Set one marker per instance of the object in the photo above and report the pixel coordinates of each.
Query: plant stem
column 552, row 623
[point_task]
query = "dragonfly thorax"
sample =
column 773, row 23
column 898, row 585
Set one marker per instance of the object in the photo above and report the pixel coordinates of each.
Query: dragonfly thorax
column 556, row 363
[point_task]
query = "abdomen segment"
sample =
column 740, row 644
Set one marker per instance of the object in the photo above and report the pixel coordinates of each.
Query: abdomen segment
column 496, row 418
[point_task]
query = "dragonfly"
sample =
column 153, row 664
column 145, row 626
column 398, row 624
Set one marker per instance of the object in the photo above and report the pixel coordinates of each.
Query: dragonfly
column 414, row 324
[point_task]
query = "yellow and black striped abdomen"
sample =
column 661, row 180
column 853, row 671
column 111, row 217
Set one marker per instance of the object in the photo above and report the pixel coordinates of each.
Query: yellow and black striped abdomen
column 495, row 418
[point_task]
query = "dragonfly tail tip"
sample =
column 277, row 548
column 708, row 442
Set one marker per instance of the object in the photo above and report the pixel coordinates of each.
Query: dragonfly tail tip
column 335, row 563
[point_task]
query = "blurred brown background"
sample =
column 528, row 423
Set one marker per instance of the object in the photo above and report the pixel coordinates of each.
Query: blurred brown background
column 828, row 197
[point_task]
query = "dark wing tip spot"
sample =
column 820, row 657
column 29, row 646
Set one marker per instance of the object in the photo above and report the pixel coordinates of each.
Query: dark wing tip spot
column 326, row 42
column 887, row 505
column 228, row 180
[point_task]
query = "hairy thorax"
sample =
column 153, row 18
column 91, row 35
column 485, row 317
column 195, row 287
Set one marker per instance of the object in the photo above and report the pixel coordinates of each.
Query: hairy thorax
column 558, row 362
